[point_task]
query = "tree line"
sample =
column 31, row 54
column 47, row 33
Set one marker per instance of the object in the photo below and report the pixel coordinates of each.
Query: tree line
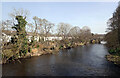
column 45, row 28
column 20, row 46
column 113, row 32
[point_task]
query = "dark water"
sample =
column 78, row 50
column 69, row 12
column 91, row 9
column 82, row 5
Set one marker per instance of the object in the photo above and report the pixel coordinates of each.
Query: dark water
column 80, row 61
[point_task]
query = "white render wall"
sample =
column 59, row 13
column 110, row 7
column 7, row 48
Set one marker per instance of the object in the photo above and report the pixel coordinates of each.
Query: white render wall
column 52, row 38
column 7, row 38
column 45, row 38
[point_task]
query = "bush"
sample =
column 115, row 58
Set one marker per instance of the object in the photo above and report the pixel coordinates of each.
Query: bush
column 115, row 51
column 69, row 44
column 61, row 47
column 37, row 46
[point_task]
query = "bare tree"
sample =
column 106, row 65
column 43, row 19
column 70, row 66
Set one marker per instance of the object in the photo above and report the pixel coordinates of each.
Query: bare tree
column 2, row 26
column 47, row 27
column 36, row 27
column 41, row 27
column 63, row 29
column 19, row 12
column 86, row 29
column 75, row 33
column 30, row 27
column 85, row 33
column 6, row 25
column 35, row 18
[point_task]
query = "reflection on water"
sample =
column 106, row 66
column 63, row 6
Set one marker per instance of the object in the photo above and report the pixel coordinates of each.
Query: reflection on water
column 86, row 60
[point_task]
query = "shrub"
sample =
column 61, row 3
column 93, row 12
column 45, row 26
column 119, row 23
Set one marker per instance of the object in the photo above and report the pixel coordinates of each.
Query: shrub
column 37, row 46
column 115, row 51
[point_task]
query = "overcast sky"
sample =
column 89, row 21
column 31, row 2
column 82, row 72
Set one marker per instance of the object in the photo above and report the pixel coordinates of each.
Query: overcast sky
column 91, row 14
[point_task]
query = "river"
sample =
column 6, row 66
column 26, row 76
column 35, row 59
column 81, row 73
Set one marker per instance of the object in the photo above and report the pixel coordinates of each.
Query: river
column 88, row 60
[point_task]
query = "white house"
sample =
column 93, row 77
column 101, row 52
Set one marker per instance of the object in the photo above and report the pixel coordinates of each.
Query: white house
column 7, row 35
column 51, row 38
column 6, row 38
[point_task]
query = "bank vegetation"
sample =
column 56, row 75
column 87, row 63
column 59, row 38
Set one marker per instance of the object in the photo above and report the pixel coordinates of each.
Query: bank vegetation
column 113, row 37
column 22, row 39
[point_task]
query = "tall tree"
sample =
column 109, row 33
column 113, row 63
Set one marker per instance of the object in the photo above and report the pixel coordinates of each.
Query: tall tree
column 85, row 33
column 47, row 27
column 6, row 25
column 19, row 12
column 113, row 35
column 75, row 32
column 21, row 42
column 63, row 29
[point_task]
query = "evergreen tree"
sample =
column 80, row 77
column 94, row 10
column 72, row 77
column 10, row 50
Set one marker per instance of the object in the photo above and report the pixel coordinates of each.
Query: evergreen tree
column 21, row 42
column 113, row 36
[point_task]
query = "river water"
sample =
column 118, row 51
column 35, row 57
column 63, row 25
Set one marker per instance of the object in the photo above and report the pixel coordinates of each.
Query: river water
column 88, row 60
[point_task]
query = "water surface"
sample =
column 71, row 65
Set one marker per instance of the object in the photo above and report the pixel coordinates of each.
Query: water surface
column 86, row 60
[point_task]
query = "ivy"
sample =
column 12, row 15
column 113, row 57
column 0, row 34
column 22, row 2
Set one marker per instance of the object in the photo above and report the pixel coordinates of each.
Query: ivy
column 20, row 38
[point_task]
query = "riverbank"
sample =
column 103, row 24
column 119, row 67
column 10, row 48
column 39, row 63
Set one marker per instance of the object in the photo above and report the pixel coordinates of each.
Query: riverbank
column 38, row 49
column 10, row 51
column 52, row 47
column 113, row 58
